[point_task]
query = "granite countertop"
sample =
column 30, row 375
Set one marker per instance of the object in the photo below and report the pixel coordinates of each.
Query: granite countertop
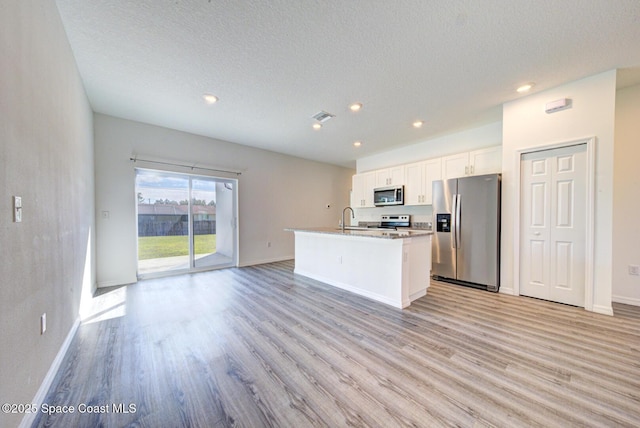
column 364, row 232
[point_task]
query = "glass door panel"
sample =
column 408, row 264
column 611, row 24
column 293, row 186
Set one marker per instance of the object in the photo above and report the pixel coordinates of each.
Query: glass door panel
column 163, row 222
column 203, row 215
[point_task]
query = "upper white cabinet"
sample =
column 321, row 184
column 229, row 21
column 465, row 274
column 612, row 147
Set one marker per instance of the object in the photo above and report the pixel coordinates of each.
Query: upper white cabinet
column 477, row 162
column 393, row 176
column 362, row 189
column 419, row 177
column 485, row 161
column 455, row 165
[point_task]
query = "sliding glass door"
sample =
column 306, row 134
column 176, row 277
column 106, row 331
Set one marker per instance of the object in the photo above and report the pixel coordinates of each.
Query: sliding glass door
column 185, row 222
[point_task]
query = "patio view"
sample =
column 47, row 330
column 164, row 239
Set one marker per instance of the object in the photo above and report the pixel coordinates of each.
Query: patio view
column 176, row 222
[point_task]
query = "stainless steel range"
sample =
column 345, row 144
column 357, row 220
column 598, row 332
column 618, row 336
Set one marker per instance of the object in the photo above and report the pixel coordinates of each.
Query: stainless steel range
column 394, row 221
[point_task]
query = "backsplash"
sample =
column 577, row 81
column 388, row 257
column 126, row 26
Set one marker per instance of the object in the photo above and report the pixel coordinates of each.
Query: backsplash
column 427, row 225
column 421, row 216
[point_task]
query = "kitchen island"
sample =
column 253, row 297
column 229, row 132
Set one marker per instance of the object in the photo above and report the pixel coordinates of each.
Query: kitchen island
column 392, row 267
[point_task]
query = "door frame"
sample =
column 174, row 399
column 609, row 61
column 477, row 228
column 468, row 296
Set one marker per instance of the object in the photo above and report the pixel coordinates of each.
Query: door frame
column 590, row 215
column 236, row 234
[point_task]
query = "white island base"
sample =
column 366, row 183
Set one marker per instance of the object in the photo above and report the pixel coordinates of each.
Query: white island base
column 391, row 270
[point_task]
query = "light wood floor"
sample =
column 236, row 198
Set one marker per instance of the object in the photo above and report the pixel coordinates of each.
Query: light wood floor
column 262, row 347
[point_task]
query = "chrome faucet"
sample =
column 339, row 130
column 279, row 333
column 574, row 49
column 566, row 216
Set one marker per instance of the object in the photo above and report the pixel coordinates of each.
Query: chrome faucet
column 352, row 215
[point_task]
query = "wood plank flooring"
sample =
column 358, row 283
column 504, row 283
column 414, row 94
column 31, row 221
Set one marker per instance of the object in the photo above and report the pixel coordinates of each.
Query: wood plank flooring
column 262, row 347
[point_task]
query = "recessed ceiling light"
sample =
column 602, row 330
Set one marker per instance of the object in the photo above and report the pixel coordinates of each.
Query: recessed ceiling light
column 209, row 99
column 525, row 88
column 418, row 123
column 355, row 107
column 316, row 126
column 357, row 144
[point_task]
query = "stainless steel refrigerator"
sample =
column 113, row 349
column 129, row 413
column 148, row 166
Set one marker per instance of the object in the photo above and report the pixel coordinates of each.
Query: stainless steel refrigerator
column 466, row 238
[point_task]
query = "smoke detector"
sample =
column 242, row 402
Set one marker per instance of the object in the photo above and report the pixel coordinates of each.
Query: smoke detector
column 322, row 116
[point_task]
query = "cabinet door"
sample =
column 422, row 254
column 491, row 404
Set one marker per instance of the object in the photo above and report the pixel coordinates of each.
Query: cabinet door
column 367, row 189
column 393, row 176
column 362, row 189
column 432, row 172
column 485, row 161
column 455, row 166
column 396, row 175
column 382, row 177
column 357, row 195
column 414, row 184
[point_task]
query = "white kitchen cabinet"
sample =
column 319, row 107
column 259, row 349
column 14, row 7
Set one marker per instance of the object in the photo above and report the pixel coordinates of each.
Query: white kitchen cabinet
column 485, row 161
column 476, row 162
column 419, row 177
column 393, row 176
column 432, row 172
column 414, row 183
column 362, row 189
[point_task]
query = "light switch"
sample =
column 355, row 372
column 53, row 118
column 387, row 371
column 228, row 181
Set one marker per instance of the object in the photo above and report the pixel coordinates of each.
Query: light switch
column 17, row 209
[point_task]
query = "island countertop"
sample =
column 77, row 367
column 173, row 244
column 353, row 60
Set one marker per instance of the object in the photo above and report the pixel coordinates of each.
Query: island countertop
column 364, row 232
column 390, row 266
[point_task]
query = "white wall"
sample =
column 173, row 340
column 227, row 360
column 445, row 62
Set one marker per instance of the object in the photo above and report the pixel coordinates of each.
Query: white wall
column 463, row 141
column 526, row 125
column 275, row 192
column 626, row 196
column 46, row 157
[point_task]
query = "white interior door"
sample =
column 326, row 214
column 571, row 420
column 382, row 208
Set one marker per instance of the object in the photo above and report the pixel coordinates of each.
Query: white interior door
column 553, row 224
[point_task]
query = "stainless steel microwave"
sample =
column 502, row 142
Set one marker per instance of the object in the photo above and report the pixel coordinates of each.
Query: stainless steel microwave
column 391, row 195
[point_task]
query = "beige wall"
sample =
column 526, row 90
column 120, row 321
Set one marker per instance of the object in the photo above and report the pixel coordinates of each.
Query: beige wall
column 626, row 196
column 46, row 157
column 526, row 125
column 274, row 192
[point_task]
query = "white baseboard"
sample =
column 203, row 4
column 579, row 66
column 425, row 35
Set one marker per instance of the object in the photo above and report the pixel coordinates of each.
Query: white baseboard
column 38, row 400
column 626, row 300
column 605, row 310
column 114, row 283
column 263, row 261
column 348, row 287
column 507, row 290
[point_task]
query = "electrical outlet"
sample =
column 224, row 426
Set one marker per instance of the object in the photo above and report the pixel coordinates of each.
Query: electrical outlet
column 43, row 323
column 269, row 244
column 339, row 260
column 634, row 270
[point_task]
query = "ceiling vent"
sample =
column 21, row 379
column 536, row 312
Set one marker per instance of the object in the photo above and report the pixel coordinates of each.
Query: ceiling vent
column 323, row 116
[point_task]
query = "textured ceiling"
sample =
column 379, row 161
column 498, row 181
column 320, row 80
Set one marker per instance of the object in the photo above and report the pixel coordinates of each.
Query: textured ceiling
column 275, row 63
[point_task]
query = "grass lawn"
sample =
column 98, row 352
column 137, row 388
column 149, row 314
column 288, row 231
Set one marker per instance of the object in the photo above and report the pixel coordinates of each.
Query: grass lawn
column 155, row 247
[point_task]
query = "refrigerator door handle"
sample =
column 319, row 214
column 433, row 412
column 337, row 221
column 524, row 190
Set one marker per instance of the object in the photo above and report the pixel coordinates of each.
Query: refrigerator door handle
column 453, row 221
column 457, row 221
